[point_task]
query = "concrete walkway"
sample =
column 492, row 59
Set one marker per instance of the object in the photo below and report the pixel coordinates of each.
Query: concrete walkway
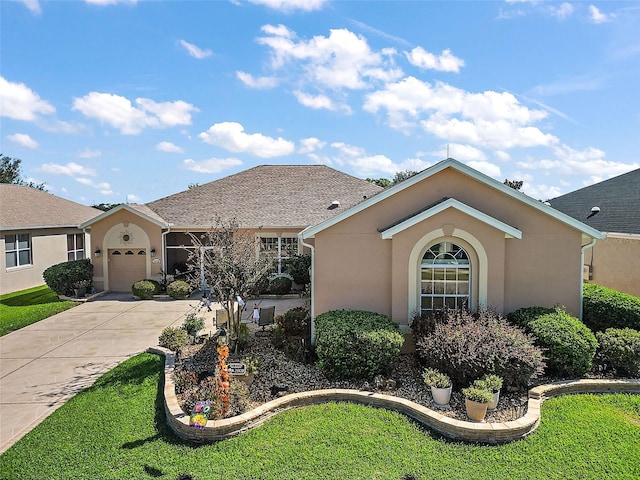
column 45, row 364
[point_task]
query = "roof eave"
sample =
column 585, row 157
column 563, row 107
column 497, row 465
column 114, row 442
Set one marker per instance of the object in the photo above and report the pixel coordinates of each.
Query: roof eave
column 118, row 209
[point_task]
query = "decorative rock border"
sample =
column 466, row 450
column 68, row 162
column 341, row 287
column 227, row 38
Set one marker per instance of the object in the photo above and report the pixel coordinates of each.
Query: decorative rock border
column 493, row 433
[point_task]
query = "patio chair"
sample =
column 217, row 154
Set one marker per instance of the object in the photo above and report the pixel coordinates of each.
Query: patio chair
column 267, row 317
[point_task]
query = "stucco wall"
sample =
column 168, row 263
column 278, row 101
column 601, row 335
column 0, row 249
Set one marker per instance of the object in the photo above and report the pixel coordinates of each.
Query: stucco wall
column 48, row 247
column 615, row 263
column 355, row 268
column 105, row 234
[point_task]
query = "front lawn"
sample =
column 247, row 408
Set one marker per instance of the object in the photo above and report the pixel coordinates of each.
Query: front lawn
column 19, row 309
column 116, row 430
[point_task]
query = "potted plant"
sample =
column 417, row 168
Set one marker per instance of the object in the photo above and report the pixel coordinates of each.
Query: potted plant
column 440, row 384
column 193, row 324
column 476, row 400
column 493, row 383
column 80, row 288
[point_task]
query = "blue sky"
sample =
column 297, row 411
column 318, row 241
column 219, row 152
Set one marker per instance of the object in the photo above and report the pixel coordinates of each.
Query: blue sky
column 108, row 100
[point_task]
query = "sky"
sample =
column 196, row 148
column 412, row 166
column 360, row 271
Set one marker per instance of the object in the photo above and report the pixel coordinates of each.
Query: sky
column 107, row 101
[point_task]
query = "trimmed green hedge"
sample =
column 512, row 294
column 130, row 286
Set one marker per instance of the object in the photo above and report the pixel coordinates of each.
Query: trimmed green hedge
column 143, row 289
column 620, row 349
column 280, row 285
column 523, row 316
column 356, row 343
column 178, row 289
column 607, row 308
column 568, row 343
column 61, row 277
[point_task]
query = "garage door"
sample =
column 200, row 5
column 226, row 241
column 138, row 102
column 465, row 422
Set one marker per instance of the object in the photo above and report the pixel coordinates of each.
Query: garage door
column 126, row 267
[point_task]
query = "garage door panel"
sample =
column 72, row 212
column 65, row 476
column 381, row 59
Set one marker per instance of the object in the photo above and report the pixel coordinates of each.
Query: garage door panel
column 125, row 268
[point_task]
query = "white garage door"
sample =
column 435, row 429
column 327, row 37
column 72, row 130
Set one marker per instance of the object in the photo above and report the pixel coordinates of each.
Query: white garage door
column 126, row 267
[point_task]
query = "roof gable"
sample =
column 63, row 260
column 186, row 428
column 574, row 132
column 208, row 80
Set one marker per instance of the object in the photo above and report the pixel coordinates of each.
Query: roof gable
column 465, row 170
column 138, row 210
column 444, row 204
column 618, row 199
column 26, row 207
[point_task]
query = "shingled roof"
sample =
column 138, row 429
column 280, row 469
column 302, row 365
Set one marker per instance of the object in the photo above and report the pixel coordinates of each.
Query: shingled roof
column 24, row 208
column 267, row 196
column 618, row 199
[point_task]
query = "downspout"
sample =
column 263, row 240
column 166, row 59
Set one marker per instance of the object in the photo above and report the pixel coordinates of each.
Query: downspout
column 313, row 285
column 582, row 250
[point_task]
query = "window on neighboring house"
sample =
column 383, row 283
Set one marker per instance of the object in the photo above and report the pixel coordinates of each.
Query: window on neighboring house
column 280, row 248
column 445, row 278
column 75, row 246
column 17, row 250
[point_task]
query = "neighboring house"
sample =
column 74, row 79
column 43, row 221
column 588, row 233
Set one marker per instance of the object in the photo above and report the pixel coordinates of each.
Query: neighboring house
column 37, row 230
column 612, row 206
column 449, row 236
column 275, row 201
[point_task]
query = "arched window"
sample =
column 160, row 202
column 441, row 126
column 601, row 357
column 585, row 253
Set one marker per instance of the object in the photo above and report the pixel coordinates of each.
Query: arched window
column 445, row 278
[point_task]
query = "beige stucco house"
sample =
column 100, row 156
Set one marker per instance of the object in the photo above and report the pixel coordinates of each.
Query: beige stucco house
column 37, row 230
column 612, row 206
column 449, row 236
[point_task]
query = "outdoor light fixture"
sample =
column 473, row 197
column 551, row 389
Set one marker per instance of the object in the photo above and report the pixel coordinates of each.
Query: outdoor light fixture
column 97, row 252
column 222, row 337
column 153, row 252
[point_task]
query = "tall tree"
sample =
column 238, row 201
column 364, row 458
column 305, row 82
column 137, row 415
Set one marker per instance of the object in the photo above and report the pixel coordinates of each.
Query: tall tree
column 381, row 182
column 105, row 206
column 515, row 184
column 11, row 172
column 402, row 176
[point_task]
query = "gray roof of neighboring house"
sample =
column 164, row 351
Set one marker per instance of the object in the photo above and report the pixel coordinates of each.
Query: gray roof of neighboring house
column 618, row 199
column 24, row 208
column 266, row 195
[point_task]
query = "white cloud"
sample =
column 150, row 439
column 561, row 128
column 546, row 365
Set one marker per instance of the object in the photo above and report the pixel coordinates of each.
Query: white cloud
column 231, row 136
column 33, row 6
column 212, row 165
column 486, row 119
column 445, row 62
column 24, row 140
column 19, row 102
column 562, row 11
column 487, row 168
column 311, row 144
column 195, row 51
column 169, row 147
column 72, row 169
column 104, row 187
column 131, row 197
column 374, row 165
column 118, row 112
column 259, row 83
column 287, row 6
column 318, row 102
column 465, row 153
column 87, row 153
column 347, row 149
column 541, row 191
column 111, row 2
column 596, row 16
column 341, row 60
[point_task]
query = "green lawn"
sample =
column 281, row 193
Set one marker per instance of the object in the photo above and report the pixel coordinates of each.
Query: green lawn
column 19, row 309
column 115, row 430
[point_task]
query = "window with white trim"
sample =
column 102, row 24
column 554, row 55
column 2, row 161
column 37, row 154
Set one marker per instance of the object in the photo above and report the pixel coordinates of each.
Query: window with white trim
column 17, row 248
column 280, row 248
column 75, row 246
column 445, row 278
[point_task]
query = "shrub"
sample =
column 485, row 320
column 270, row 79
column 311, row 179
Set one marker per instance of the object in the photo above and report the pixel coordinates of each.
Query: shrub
column 178, row 289
column 61, row 277
column 294, row 321
column 193, row 324
column 492, row 382
column 569, row 345
column 477, row 393
column 606, row 308
column 620, row 349
column 356, row 343
column 467, row 346
column 298, row 267
column 143, row 289
column 523, row 316
column 157, row 286
column 280, row 285
column 173, row 338
column 425, row 323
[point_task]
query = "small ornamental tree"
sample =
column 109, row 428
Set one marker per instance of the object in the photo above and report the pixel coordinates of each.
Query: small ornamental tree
column 230, row 261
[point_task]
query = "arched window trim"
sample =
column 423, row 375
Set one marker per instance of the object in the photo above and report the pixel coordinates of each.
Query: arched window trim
column 445, row 277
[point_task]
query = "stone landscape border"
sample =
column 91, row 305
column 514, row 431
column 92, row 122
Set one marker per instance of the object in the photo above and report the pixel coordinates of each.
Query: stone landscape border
column 492, row 433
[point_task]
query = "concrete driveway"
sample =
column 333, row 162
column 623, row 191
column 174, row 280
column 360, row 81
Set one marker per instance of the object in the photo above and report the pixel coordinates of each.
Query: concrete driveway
column 45, row 364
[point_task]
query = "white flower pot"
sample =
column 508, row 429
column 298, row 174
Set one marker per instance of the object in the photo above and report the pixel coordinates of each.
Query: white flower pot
column 441, row 396
column 494, row 403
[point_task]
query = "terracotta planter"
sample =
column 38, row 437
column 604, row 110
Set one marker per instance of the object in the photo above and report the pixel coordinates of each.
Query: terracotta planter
column 441, row 396
column 494, row 403
column 475, row 411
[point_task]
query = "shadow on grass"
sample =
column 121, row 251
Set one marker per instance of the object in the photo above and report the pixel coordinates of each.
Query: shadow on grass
column 39, row 297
